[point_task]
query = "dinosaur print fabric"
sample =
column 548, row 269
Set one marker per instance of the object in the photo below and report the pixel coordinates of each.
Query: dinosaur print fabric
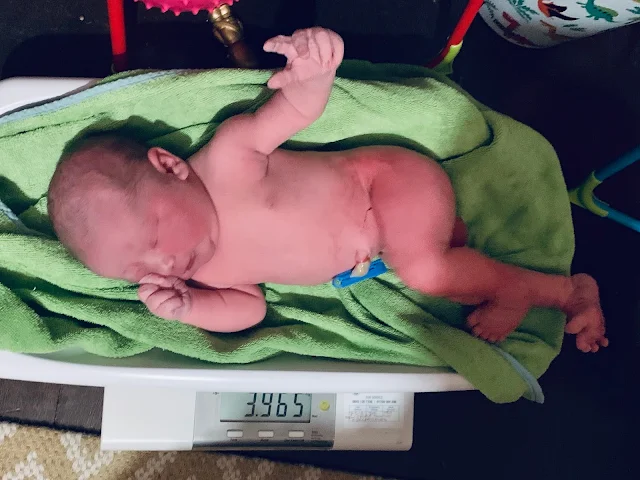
column 544, row 23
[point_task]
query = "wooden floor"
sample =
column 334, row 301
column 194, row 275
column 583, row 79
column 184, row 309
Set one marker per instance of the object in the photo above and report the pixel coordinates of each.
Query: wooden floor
column 63, row 406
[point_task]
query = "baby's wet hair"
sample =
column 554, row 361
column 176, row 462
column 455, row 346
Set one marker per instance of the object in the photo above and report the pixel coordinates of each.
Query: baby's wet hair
column 97, row 168
column 127, row 147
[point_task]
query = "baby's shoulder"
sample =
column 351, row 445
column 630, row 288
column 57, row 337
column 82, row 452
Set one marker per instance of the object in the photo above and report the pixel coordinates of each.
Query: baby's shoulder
column 231, row 160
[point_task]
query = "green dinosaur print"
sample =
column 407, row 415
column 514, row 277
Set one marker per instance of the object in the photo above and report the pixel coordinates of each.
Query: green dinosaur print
column 490, row 5
column 634, row 10
column 524, row 11
column 491, row 9
column 574, row 27
column 597, row 12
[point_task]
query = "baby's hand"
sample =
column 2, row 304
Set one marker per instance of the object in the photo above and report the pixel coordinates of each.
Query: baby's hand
column 311, row 53
column 166, row 297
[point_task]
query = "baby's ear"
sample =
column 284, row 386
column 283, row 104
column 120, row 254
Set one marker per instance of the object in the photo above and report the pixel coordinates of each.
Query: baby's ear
column 167, row 162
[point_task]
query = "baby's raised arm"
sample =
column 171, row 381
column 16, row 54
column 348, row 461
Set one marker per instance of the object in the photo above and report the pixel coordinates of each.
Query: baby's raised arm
column 217, row 310
column 304, row 86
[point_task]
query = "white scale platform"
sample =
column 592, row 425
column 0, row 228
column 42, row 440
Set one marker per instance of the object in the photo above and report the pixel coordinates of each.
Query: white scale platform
column 161, row 401
column 170, row 419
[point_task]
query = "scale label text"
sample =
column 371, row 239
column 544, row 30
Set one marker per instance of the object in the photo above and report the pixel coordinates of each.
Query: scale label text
column 374, row 410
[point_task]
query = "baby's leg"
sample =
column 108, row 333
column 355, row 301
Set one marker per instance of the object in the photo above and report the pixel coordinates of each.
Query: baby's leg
column 415, row 208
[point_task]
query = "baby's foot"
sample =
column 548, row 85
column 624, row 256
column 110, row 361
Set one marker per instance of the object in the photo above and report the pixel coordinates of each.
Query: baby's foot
column 584, row 315
column 495, row 320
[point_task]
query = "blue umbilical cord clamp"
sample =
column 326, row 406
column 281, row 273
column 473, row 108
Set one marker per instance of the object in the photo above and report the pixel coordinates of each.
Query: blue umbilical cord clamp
column 346, row 279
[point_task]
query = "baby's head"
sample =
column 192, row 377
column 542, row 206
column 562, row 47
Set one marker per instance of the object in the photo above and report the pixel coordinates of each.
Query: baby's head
column 125, row 210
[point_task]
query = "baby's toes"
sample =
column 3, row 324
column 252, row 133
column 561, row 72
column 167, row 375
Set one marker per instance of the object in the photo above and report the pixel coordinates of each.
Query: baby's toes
column 478, row 331
column 585, row 342
column 577, row 323
column 599, row 342
column 473, row 319
column 499, row 336
column 485, row 334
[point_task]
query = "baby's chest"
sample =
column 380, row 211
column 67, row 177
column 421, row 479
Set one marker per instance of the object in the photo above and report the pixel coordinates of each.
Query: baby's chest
column 288, row 226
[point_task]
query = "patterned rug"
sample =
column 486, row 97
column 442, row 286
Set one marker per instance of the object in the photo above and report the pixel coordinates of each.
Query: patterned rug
column 43, row 454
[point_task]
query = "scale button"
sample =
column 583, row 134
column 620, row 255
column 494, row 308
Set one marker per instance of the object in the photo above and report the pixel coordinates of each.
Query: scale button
column 265, row 434
column 324, row 405
column 235, row 433
column 296, row 434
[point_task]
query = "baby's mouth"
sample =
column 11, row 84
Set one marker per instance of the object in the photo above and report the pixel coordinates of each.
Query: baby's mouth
column 187, row 269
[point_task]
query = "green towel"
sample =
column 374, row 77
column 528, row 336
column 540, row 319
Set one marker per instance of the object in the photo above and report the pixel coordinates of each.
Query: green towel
column 509, row 187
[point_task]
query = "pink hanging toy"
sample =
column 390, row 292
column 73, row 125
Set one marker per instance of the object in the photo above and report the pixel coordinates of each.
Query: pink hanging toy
column 179, row 6
column 226, row 27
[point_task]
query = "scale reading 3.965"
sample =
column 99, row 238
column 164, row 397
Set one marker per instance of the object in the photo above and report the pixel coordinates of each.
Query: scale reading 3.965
column 287, row 407
column 163, row 419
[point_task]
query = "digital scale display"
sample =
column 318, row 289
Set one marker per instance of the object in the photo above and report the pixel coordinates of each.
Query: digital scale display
column 265, row 407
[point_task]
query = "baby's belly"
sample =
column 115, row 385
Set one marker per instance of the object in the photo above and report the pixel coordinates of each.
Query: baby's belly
column 302, row 252
column 314, row 254
column 311, row 245
column 313, row 221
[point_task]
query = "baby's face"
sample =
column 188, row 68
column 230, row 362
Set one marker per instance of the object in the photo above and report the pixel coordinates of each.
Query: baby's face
column 174, row 233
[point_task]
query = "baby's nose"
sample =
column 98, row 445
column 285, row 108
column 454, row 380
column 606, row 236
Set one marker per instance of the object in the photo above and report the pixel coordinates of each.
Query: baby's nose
column 167, row 264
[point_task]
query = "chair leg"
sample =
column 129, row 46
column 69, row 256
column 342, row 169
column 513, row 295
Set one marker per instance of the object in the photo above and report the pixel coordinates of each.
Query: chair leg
column 115, row 9
column 583, row 196
column 445, row 58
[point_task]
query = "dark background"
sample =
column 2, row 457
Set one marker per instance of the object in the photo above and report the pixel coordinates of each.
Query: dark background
column 583, row 96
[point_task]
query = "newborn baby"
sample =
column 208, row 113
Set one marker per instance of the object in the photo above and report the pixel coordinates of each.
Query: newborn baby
column 199, row 236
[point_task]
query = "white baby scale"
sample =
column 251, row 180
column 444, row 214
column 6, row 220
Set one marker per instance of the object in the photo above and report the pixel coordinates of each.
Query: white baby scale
column 161, row 401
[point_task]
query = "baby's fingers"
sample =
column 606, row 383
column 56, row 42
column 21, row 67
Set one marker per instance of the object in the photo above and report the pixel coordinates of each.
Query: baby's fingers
column 170, row 308
column 281, row 45
column 337, row 45
column 156, row 279
column 280, row 79
column 162, row 281
column 301, row 43
column 158, row 298
column 325, row 48
column 313, row 45
column 146, row 290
